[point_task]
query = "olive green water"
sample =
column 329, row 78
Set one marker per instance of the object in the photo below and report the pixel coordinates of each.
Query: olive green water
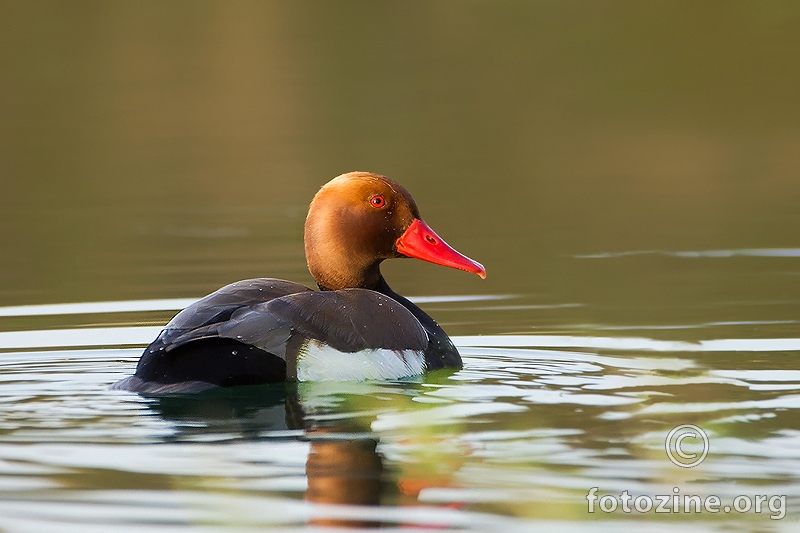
column 628, row 173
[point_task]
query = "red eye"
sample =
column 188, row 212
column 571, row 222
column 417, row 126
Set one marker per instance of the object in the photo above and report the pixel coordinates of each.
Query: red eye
column 377, row 201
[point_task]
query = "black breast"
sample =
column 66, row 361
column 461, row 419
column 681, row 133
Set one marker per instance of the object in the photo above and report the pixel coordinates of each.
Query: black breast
column 440, row 352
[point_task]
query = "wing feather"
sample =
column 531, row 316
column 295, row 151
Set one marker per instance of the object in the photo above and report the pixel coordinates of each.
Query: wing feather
column 202, row 319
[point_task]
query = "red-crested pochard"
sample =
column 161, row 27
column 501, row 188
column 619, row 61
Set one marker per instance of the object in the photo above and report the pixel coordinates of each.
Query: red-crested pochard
column 355, row 327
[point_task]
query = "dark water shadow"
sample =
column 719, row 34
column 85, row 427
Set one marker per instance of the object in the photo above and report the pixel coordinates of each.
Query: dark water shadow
column 237, row 412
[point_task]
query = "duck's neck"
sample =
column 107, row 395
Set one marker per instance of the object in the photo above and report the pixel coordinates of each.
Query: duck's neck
column 356, row 278
column 335, row 266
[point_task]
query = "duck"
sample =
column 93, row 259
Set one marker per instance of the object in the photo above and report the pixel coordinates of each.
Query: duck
column 354, row 328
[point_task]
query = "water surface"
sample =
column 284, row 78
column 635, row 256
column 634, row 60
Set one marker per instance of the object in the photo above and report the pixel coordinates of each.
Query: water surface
column 516, row 438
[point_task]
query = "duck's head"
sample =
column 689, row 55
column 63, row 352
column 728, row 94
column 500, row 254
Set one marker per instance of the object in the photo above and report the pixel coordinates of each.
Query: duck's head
column 357, row 220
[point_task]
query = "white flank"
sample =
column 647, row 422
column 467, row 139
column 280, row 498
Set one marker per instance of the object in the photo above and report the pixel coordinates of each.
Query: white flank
column 319, row 362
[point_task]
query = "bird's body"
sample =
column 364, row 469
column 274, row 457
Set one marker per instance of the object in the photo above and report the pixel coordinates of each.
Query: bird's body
column 355, row 327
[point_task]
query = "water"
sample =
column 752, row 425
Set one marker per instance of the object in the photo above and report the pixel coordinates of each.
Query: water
column 628, row 173
column 515, row 439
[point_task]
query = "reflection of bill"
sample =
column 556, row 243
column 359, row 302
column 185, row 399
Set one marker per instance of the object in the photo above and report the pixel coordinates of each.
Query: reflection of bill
column 676, row 445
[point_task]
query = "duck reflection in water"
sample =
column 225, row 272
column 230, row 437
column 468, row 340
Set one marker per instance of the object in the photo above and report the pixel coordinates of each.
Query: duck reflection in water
column 343, row 466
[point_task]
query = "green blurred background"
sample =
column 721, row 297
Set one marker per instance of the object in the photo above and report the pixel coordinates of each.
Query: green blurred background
column 162, row 149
